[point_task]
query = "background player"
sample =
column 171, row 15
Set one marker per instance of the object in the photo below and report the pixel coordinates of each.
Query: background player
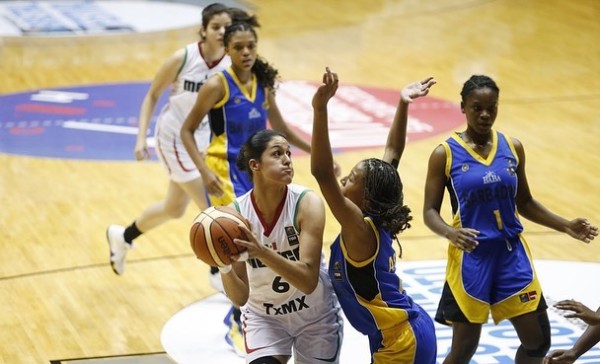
column 489, row 265
column 186, row 70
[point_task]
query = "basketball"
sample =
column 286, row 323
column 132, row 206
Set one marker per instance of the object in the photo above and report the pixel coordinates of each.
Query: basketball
column 212, row 234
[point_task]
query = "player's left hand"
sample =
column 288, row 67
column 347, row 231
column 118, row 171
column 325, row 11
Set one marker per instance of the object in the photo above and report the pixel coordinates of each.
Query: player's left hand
column 581, row 229
column 580, row 311
column 416, row 89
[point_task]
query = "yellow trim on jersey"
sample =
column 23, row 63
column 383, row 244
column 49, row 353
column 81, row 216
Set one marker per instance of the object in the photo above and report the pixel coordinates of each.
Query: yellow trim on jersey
column 240, row 85
column 226, row 96
column 368, row 260
column 399, row 345
column 485, row 161
column 448, row 158
column 475, row 310
column 512, row 147
column 220, row 166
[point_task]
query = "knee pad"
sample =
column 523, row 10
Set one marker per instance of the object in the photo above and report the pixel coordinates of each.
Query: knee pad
column 541, row 350
column 265, row 360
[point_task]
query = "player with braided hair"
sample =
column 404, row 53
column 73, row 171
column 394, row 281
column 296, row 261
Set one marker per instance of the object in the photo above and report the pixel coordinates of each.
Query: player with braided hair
column 369, row 205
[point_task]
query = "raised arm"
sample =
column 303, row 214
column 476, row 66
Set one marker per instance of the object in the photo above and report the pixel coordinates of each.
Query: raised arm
column 209, row 94
column 165, row 76
column 397, row 135
column 348, row 214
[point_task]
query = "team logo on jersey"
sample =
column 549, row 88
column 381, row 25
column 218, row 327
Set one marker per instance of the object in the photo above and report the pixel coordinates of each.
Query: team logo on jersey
column 528, row 296
column 237, row 100
column 465, row 167
column 253, row 114
column 292, row 237
column 491, row 177
column 337, row 270
column 512, row 167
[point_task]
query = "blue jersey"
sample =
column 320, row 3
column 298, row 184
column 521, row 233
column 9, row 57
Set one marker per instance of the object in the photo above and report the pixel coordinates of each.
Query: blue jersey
column 483, row 191
column 371, row 295
column 498, row 275
column 232, row 120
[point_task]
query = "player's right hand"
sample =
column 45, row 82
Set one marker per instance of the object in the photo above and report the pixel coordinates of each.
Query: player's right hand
column 141, row 151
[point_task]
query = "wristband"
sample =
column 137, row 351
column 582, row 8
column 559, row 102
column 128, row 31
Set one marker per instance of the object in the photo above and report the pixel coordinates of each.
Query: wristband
column 225, row 269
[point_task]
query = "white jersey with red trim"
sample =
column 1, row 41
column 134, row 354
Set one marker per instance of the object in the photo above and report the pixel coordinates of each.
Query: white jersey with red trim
column 193, row 73
column 270, row 294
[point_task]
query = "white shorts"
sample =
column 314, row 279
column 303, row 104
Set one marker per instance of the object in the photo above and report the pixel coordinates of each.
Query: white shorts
column 316, row 340
column 172, row 153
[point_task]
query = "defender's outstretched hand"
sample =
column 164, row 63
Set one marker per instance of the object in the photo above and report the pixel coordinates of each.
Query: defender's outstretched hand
column 417, row 89
column 327, row 90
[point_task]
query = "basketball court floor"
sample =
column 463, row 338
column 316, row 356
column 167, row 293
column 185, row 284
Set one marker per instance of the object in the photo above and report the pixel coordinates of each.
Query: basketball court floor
column 73, row 77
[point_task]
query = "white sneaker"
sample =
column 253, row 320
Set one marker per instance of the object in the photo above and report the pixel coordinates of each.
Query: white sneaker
column 216, row 282
column 118, row 248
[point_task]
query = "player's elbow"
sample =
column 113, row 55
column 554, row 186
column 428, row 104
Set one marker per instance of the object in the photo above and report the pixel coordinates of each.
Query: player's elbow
column 307, row 286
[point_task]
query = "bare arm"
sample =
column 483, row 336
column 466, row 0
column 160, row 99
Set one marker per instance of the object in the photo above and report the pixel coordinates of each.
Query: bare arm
column 397, row 135
column 587, row 340
column 435, row 183
column 235, row 283
column 165, row 76
column 211, row 92
column 358, row 236
column 533, row 210
column 304, row 273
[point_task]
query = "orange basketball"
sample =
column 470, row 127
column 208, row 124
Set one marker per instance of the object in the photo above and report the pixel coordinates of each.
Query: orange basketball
column 212, row 234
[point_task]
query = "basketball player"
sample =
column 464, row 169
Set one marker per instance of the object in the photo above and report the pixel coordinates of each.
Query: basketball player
column 489, row 264
column 287, row 299
column 369, row 207
column 186, row 70
column 589, row 338
column 238, row 102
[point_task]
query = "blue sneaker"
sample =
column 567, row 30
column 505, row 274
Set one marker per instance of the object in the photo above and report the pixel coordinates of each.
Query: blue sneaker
column 234, row 336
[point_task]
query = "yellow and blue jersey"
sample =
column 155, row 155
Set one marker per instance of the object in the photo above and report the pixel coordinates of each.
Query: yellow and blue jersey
column 232, row 120
column 373, row 300
column 498, row 275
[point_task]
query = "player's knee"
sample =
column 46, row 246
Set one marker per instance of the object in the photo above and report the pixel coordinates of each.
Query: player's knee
column 544, row 345
column 175, row 211
column 538, row 352
column 265, row 360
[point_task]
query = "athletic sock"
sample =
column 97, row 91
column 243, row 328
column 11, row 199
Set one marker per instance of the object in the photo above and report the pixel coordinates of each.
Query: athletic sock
column 131, row 232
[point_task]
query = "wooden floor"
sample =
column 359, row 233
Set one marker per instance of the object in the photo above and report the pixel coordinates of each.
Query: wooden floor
column 60, row 299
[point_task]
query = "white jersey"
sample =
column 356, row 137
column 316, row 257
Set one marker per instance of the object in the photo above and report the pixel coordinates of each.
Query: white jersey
column 193, row 73
column 269, row 293
column 278, row 318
